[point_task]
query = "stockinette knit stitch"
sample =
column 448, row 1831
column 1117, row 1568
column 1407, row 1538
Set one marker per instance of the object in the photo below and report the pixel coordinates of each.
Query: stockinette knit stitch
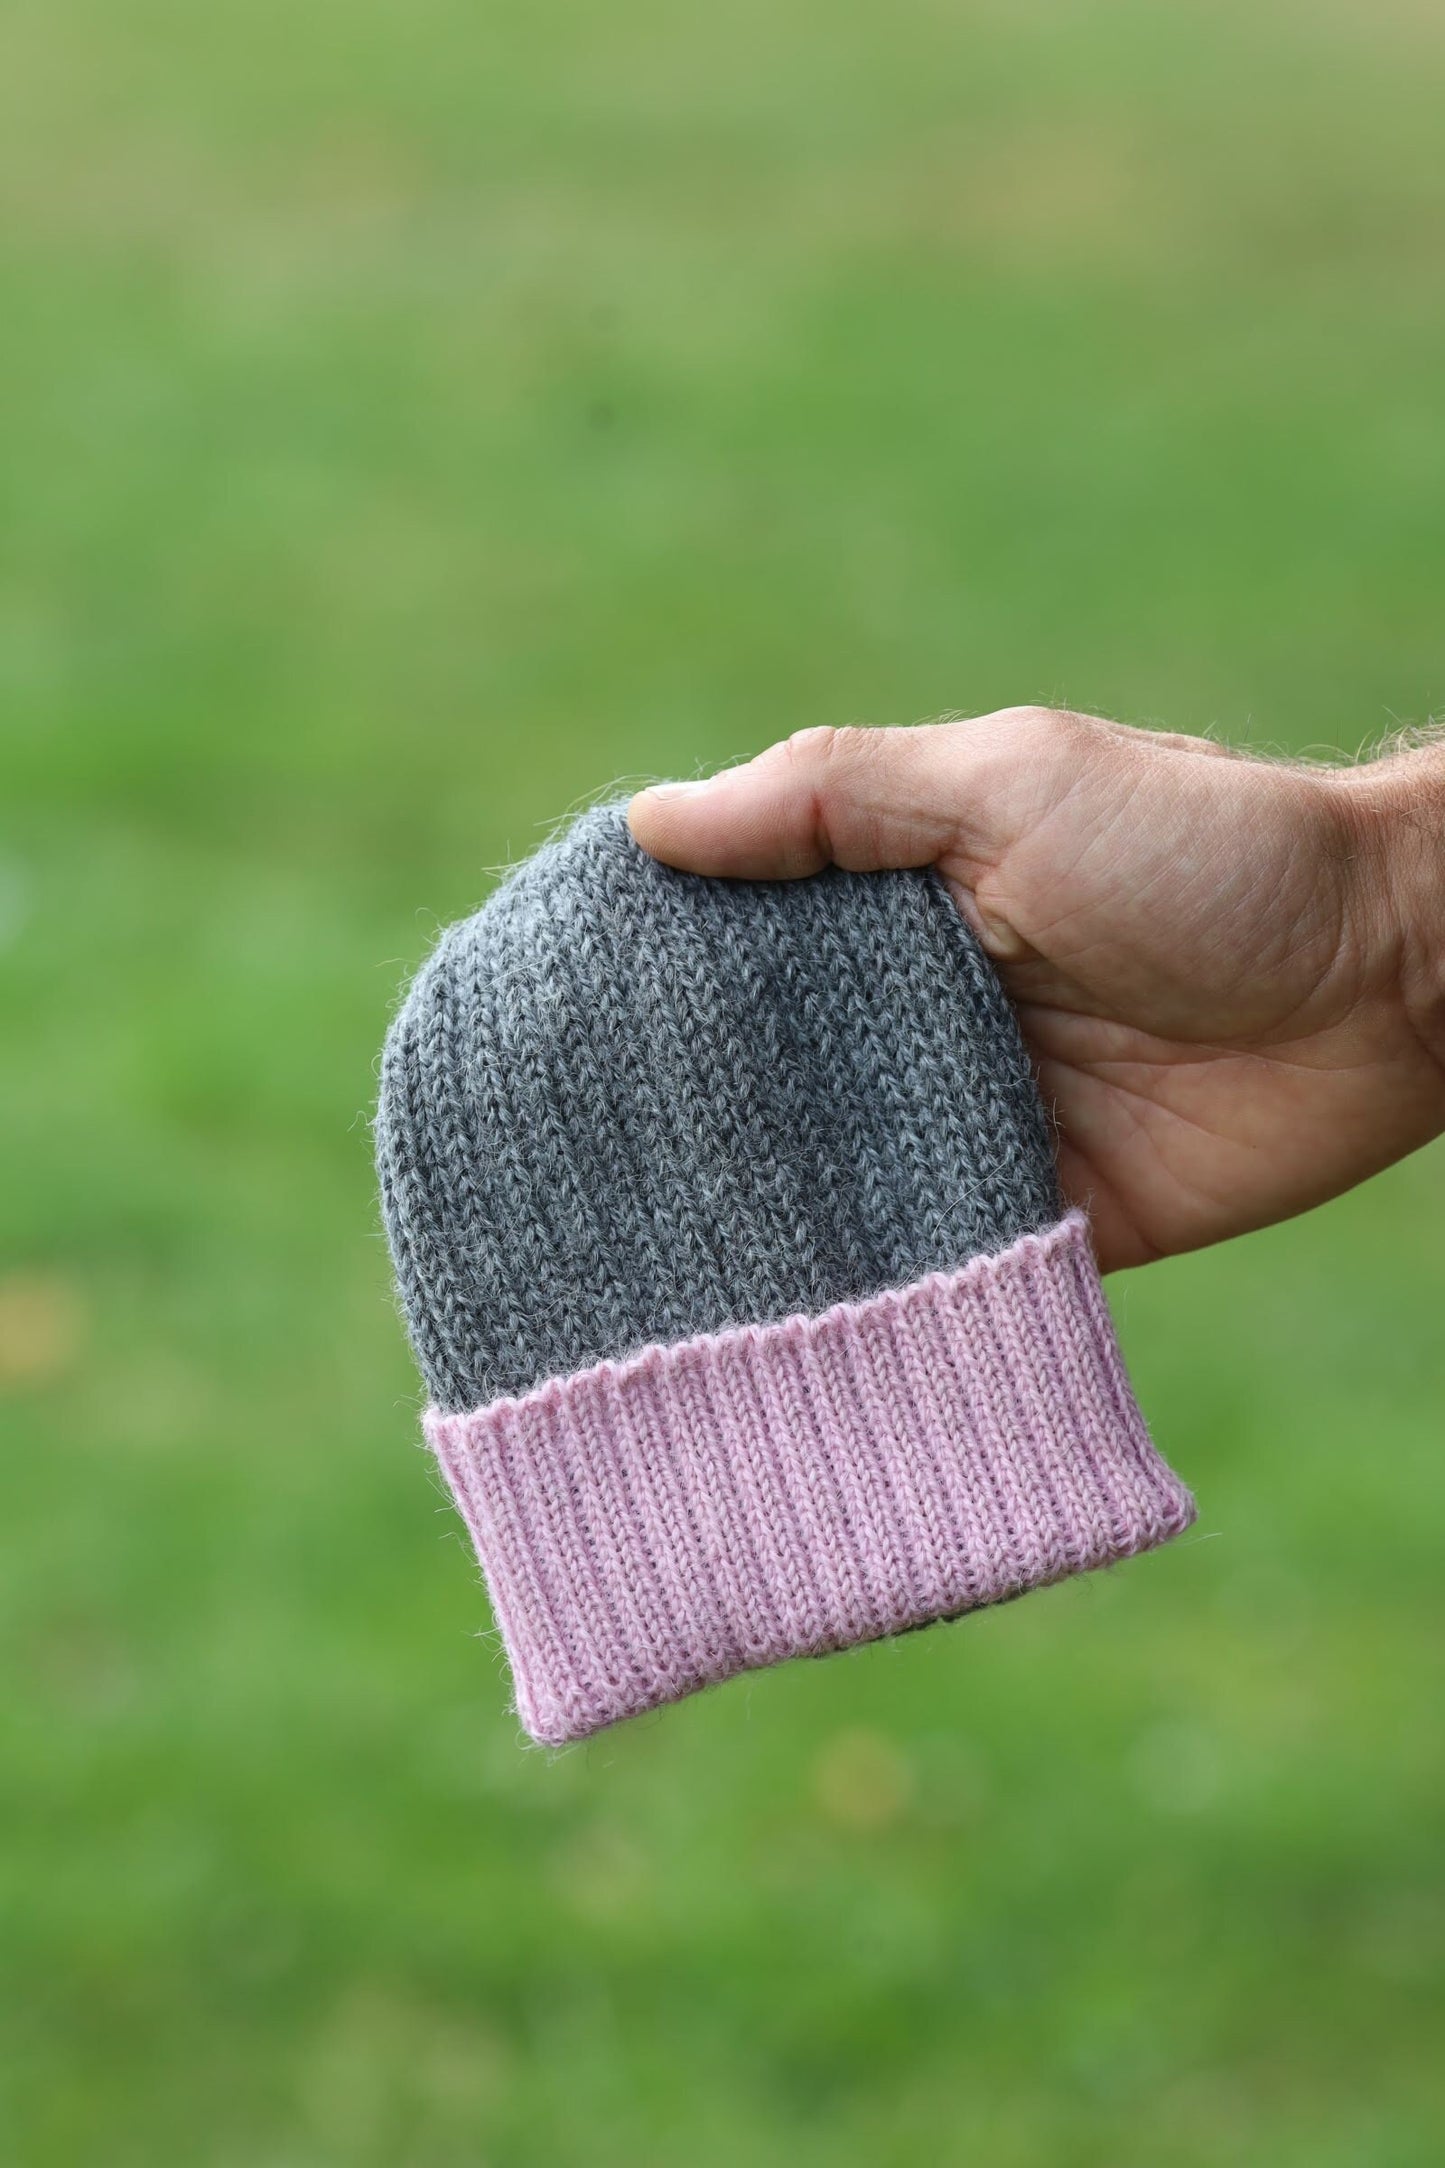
column 727, row 1231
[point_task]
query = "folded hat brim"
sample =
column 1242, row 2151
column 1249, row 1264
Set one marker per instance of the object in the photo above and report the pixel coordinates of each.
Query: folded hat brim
column 660, row 1523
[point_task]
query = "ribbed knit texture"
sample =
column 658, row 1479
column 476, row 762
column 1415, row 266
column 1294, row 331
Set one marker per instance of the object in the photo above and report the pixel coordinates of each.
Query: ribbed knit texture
column 650, row 1527
column 623, row 1105
column 726, row 1226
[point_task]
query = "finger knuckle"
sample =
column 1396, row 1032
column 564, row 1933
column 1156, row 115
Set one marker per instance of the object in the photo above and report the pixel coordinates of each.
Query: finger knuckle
column 827, row 746
column 1043, row 722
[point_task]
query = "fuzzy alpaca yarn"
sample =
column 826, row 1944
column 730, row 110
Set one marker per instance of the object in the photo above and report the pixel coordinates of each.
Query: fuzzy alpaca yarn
column 727, row 1233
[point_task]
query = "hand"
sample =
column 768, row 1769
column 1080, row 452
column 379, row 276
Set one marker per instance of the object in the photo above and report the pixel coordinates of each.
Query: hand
column 1230, row 973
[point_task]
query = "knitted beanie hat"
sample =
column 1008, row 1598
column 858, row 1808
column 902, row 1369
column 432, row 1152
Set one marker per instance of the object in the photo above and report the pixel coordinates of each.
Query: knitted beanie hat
column 726, row 1226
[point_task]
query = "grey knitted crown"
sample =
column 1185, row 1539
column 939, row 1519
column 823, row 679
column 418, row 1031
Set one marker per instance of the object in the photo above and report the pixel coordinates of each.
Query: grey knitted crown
column 623, row 1104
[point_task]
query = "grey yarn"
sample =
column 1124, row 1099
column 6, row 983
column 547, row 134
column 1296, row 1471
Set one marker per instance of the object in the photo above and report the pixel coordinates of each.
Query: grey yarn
column 623, row 1104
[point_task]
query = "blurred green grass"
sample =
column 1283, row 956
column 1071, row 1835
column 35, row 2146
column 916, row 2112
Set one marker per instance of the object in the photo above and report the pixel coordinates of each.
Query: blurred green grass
column 413, row 419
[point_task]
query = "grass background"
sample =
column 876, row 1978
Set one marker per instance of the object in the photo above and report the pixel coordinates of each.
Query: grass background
column 412, row 418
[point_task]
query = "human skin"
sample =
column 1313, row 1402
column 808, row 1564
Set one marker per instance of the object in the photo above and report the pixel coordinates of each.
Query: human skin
column 1230, row 972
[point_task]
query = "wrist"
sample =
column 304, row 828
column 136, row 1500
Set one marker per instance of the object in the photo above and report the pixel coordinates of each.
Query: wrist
column 1396, row 811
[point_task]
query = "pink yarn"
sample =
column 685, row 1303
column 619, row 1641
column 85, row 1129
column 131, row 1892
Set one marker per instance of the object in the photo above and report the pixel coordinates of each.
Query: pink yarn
column 654, row 1525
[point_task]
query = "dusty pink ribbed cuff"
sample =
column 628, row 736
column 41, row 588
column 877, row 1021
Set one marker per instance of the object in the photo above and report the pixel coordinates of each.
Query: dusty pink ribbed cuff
column 653, row 1525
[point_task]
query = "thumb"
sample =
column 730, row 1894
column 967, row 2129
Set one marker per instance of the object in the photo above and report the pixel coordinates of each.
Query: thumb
column 864, row 799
